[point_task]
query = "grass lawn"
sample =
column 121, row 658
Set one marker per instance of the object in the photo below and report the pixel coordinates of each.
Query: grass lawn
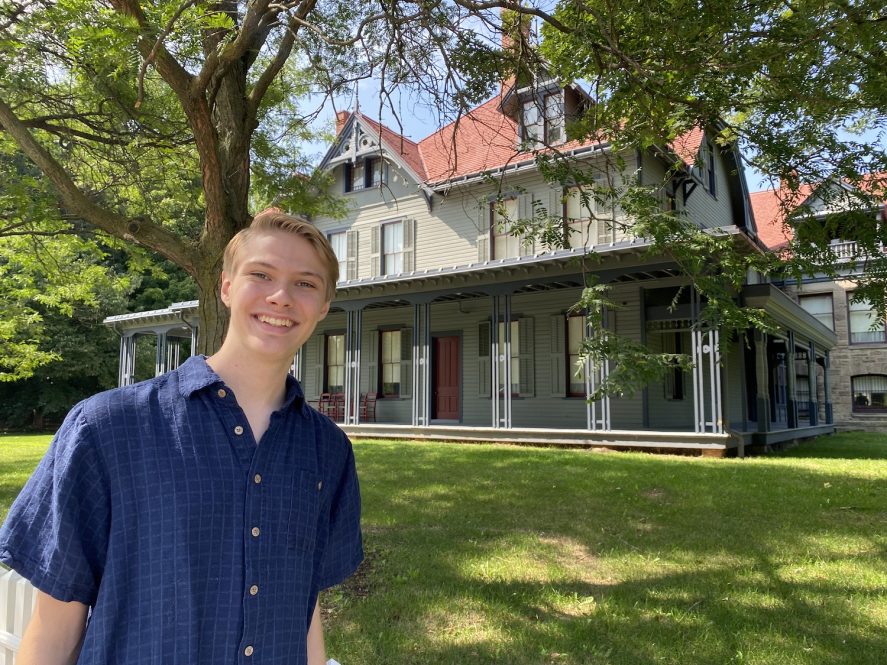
column 520, row 556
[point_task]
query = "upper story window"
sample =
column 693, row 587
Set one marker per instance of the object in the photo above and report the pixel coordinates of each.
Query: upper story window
column 554, row 118
column 392, row 248
column 710, row 176
column 531, row 127
column 502, row 214
column 821, row 307
column 338, row 242
column 865, row 325
column 365, row 173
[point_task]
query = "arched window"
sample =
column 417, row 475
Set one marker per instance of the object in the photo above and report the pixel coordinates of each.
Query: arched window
column 869, row 393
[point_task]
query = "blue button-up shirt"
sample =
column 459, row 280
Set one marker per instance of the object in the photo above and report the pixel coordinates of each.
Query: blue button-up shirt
column 192, row 544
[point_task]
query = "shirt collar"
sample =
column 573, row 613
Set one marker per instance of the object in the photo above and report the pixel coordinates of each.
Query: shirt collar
column 195, row 374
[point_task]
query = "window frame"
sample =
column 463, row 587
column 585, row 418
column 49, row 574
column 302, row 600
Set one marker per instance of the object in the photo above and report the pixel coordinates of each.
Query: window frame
column 398, row 362
column 495, row 233
column 711, row 178
column 866, row 408
column 384, row 255
column 569, row 355
column 557, row 122
column 343, row 259
column 327, row 387
column 831, row 300
column 872, row 314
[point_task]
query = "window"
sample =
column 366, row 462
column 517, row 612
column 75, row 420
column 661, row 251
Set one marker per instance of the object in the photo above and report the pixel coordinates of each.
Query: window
column 865, row 326
column 391, row 355
column 869, row 393
column 334, row 360
column 554, row 119
column 505, row 245
column 338, row 243
column 820, row 306
column 530, row 122
column 672, row 342
column 575, row 368
column 392, row 248
column 578, row 216
column 710, row 179
column 364, row 173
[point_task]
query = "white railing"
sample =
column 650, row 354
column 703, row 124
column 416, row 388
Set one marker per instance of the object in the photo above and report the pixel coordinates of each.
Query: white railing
column 17, row 598
column 847, row 250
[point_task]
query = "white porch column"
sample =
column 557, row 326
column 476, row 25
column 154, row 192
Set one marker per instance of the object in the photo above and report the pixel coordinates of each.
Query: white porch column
column 792, row 379
column 597, row 413
column 353, row 326
column 160, row 355
column 706, row 354
column 500, row 357
column 421, row 399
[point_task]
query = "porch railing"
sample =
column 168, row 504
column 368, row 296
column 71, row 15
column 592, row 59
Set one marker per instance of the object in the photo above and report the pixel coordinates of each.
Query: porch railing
column 847, row 250
column 17, row 598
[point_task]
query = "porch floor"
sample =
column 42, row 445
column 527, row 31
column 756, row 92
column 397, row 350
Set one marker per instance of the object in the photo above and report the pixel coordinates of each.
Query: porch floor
column 708, row 445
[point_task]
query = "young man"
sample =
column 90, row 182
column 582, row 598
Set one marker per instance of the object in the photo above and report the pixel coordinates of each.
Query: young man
column 195, row 517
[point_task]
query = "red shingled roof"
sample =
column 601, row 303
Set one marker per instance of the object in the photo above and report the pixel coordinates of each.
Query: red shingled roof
column 399, row 144
column 482, row 140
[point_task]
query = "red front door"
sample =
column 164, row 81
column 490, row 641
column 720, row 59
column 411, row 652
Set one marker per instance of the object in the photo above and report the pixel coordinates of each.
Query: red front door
column 446, row 378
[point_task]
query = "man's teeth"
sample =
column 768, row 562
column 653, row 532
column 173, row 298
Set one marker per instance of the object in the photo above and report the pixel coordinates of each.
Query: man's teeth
column 276, row 322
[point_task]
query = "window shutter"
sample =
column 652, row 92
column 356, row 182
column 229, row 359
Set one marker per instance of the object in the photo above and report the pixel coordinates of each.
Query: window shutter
column 483, row 237
column 525, row 356
column 351, row 240
column 315, row 386
column 558, row 356
column 347, row 175
column 409, row 245
column 484, row 367
column 372, row 360
column 406, row 362
column 375, row 249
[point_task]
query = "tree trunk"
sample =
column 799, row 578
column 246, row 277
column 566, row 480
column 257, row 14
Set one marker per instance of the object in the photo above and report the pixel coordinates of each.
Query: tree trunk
column 211, row 312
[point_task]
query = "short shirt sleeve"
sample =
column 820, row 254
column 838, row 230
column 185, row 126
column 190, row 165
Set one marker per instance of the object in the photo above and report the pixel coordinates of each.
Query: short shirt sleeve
column 56, row 532
column 344, row 548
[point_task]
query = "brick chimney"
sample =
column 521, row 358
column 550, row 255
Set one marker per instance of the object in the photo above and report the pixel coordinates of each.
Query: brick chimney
column 341, row 119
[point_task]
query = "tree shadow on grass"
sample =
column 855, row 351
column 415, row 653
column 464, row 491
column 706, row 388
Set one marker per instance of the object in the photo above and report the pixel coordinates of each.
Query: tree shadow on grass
column 530, row 557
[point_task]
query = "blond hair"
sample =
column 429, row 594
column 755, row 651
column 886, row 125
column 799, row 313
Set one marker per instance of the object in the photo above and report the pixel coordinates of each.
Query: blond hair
column 275, row 220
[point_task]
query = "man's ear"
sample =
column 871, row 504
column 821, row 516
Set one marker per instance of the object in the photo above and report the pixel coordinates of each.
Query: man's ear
column 225, row 291
column 324, row 311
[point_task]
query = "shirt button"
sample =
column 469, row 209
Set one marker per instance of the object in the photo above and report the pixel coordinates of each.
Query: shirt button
column 257, row 478
column 222, row 392
column 253, row 590
column 248, row 651
column 255, row 531
column 238, row 430
column 319, row 485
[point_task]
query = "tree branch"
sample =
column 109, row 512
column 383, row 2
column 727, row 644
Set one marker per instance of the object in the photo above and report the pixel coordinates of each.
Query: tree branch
column 142, row 231
column 280, row 58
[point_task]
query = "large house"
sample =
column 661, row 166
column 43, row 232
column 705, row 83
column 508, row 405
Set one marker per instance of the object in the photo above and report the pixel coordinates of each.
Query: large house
column 447, row 326
column 859, row 359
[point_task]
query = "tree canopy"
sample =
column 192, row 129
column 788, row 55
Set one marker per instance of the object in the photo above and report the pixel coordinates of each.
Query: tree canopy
column 167, row 123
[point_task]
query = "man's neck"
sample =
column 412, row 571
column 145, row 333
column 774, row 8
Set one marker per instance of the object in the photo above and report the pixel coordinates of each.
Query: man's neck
column 259, row 386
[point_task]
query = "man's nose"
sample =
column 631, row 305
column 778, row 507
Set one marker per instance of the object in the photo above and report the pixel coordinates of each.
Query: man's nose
column 281, row 296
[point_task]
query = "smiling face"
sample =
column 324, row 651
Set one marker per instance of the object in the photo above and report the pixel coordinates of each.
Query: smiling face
column 276, row 292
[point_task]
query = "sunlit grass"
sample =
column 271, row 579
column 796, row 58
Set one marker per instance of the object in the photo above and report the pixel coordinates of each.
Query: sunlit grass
column 497, row 554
